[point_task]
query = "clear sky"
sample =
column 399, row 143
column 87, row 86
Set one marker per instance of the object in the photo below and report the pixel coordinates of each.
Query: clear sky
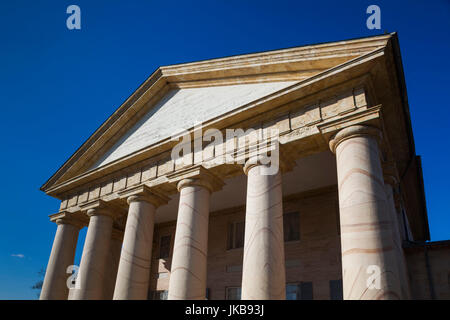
column 58, row 85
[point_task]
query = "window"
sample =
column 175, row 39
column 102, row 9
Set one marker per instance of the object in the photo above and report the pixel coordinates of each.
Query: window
column 158, row 295
column 336, row 290
column 164, row 247
column 236, row 235
column 233, row 293
column 291, row 226
column 299, row 291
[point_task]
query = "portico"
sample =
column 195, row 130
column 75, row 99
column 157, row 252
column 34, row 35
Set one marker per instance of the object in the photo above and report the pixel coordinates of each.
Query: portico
column 210, row 229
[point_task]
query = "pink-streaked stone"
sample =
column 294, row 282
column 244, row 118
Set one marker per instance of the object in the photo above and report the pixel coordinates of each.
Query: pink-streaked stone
column 134, row 268
column 62, row 256
column 188, row 270
column 367, row 240
column 91, row 275
column 263, row 274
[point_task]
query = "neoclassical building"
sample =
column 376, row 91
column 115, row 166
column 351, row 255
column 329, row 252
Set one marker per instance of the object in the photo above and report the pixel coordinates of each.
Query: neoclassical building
column 343, row 216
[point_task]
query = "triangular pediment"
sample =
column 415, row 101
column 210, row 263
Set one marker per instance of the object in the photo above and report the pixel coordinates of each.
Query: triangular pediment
column 178, row 97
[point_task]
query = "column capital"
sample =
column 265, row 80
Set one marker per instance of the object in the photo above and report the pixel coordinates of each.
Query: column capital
column 144, row 193
column 62, row 255
column 359, row 171
column 251, row 163
column 196, row 176
column 284, row 165
column 354, row 131
column 65, row 217
column 100, row 208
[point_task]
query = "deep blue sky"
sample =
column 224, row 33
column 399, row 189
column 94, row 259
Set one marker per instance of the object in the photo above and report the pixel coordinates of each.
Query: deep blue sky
column 57, row 86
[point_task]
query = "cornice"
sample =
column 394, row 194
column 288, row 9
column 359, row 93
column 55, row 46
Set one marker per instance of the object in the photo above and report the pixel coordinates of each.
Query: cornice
column 304, row 54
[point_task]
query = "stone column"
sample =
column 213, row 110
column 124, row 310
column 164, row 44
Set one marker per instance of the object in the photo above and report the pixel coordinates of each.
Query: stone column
column 92, row 273
column 62, row 256
column 112, row 264
column 369, row 265
column 391, row 181
column 189, row 259
column 263, row 274
column 135, row 260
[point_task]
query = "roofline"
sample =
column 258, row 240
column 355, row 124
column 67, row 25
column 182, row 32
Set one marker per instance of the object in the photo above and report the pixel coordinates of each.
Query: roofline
column 403, row 90
column 279, row 49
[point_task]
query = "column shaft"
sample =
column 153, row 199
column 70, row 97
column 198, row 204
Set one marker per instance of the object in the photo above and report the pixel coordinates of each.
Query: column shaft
column 263, row 274
column 62, row 256
column 112, row 266
column 368, row 251
column 92, row 272
column 134, row 268
column 188, row 271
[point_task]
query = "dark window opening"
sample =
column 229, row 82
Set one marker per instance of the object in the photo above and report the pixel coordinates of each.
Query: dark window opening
column 164, row 247
column 291, row 226
column 236, row 235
